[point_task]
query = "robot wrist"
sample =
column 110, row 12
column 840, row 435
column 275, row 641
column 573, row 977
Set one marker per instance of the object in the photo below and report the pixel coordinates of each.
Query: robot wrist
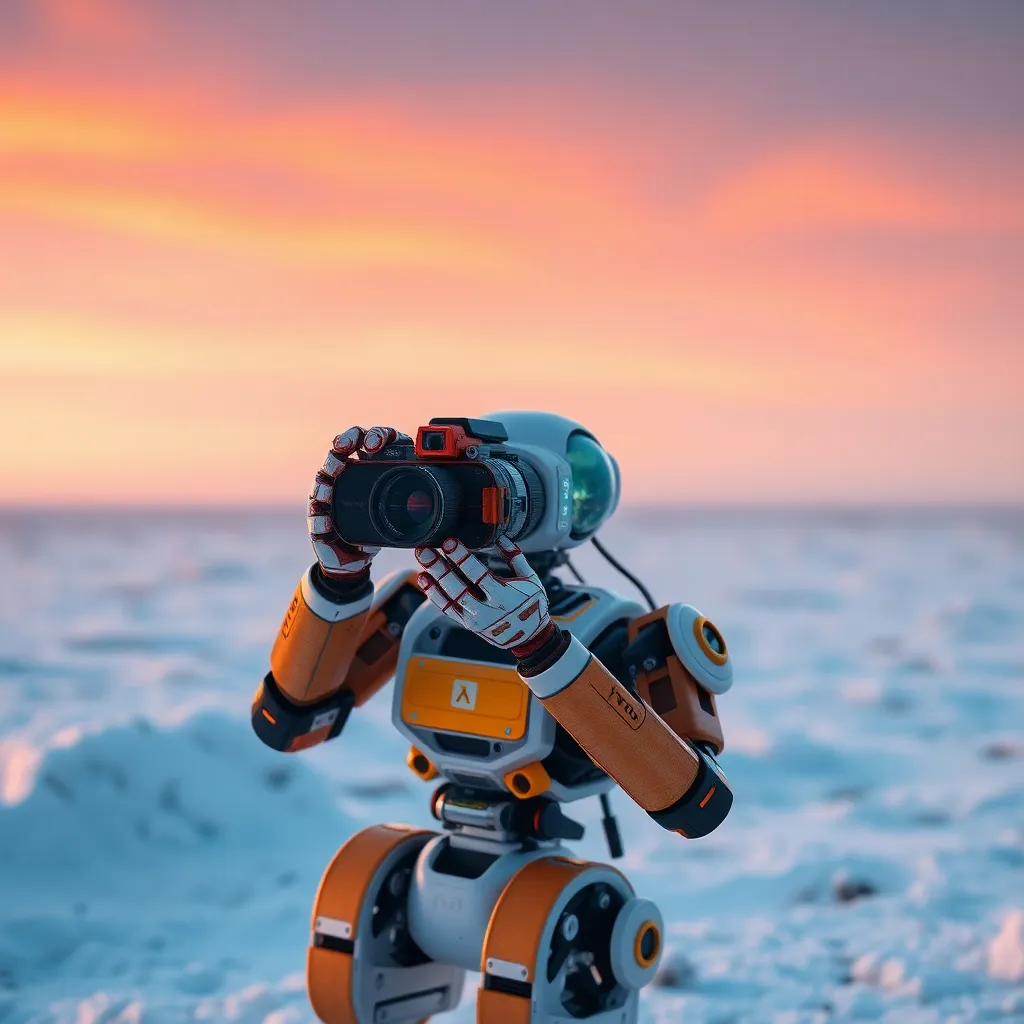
column 283, row 725
column 345, row 589
column 547, row 647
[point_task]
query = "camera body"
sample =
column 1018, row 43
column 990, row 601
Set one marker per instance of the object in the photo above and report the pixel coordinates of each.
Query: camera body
column 459, row 478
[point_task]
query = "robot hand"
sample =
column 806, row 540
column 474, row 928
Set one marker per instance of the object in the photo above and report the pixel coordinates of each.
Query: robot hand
column 338, row 559
column 510, row 612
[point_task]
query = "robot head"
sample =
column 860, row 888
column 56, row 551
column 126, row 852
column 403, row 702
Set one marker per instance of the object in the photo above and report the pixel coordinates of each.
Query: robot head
column 581, row 480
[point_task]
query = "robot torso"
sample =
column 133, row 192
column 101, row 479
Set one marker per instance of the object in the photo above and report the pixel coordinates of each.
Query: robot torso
column 464, row 708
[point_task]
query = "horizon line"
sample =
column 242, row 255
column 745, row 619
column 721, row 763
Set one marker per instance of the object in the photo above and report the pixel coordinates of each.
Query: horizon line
column 283, row 507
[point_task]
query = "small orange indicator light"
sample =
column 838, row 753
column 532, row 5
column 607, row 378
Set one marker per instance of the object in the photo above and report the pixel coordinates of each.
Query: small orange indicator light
column 707, row 796
column 269, row 717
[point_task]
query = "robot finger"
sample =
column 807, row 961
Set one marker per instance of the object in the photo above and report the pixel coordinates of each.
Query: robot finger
column 322, row 488
column 428, row 557
column 379, row 437
column 517, row 561
column 437, row 595
column 336, row 562
column 447, row 575
column 319, row 522
column 345, row 444
column 467, row 563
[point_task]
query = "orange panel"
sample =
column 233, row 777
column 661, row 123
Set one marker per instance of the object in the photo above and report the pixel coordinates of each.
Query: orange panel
column 329, row 982
column 522, row 910
column 674, row 695
column 309, row 739
column 462, row 696
column 310, row 656
column 347, row 876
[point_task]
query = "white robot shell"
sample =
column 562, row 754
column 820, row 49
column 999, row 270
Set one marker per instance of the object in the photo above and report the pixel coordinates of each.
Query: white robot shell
column 544, row 439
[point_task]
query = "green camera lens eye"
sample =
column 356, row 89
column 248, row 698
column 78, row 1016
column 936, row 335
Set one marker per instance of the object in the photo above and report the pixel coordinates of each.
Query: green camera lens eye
column 593, row 484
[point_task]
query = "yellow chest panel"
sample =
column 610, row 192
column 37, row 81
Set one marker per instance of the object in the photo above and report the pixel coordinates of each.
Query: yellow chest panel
column 466, row 697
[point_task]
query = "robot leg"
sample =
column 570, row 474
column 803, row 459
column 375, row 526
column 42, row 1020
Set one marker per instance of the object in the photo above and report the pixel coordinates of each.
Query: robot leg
column 363, row 967
column 568, row 938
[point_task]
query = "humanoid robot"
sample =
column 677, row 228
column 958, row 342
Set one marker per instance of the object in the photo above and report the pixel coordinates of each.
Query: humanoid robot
column 519, row 694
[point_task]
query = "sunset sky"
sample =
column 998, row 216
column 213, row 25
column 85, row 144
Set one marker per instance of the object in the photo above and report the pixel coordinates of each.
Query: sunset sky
column 768, row 253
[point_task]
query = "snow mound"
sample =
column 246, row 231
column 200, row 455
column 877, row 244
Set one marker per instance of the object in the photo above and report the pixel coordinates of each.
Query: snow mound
column 154, row 856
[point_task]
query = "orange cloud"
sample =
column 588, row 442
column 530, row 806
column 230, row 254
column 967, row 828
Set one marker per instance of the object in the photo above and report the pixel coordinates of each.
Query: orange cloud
column 866, row 187
column 197, row 278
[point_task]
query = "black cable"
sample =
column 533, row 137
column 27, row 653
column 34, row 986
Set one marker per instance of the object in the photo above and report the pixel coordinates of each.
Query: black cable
column 625, row 572
column 574, row 571
column 611, row 828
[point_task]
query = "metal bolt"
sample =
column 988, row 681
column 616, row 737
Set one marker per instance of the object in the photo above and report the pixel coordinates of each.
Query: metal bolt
column 649, row 663
column 570, row 927
column 508, row 730
column 395, row 628
column 471, row 451
column 632, row 670
column 604, row 901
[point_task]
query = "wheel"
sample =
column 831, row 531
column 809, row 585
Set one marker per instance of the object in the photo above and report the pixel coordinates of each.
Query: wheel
column 362, row 966
column 550, row 947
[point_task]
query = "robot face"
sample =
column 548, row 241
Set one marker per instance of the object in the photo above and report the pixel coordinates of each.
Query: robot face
column 581, row 480
column 595, row 484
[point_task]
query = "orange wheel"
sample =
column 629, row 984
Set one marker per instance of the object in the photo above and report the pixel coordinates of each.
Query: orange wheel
column 547, row 954
column 363, row 966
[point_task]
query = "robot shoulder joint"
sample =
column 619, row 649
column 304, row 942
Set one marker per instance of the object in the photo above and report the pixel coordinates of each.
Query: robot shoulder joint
column 694, row 639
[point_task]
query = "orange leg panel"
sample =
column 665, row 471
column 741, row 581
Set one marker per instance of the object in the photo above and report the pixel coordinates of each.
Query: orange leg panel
column 363, row 966
column 548, row 950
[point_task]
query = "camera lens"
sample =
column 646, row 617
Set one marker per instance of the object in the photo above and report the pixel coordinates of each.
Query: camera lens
column 406, row 504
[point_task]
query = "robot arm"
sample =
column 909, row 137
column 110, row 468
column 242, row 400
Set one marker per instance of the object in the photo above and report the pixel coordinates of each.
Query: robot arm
column 338, row 645
column 676, row 781
column 657, row 740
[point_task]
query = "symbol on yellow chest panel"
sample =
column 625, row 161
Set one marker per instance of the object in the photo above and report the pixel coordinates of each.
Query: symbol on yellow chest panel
column 464, row 694
column 437, row 695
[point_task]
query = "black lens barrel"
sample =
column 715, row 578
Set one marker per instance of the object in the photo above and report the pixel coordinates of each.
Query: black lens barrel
column 411, row 504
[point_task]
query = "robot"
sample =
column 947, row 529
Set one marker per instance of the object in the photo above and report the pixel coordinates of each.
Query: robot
column 519, row 694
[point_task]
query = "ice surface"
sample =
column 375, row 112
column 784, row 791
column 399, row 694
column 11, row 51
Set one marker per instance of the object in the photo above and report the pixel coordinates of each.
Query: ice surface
column 158, row 864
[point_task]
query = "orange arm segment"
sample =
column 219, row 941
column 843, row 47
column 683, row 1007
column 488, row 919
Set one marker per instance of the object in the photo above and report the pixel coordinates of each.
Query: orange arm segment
column 328, row 658
column 677, row 783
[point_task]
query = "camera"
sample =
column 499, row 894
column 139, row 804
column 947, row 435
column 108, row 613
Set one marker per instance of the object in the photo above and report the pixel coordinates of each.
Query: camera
column 458, row 478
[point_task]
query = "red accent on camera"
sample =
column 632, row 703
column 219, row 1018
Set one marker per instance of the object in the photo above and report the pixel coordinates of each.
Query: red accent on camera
column 454, row 441
column 492, row 501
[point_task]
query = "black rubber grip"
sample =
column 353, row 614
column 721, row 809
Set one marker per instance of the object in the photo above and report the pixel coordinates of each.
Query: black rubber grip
column 279, row 723
column 704, row 806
